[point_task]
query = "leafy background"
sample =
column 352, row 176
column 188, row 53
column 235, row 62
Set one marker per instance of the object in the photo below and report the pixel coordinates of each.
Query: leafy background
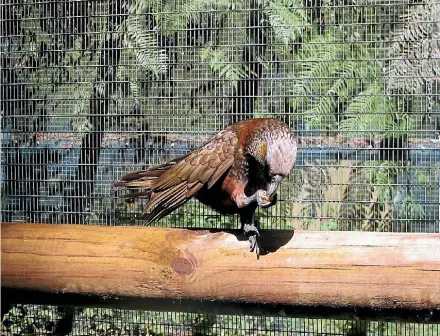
column 92, row 89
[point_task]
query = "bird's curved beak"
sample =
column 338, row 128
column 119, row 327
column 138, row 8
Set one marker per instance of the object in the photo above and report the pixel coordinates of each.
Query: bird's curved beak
column 273, row 185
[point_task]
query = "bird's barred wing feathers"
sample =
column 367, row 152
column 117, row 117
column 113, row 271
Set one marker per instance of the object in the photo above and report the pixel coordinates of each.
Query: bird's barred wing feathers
column 202, row 167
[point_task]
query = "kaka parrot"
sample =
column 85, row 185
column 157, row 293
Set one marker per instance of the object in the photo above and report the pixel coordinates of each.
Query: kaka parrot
column 237, row 170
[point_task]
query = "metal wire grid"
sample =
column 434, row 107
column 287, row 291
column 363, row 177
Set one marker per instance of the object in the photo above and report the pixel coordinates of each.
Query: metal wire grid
column 94, row 89
column 49, row 320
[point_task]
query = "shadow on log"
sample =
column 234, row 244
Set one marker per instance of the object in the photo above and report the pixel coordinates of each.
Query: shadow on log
column 326, row 274
column 271, row 240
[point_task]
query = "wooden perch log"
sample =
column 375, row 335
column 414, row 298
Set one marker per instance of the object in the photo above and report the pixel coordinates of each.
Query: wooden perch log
column 306, row 269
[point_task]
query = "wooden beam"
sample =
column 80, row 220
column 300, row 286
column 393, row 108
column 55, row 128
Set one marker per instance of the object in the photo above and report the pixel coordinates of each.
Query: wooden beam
column 306, row 269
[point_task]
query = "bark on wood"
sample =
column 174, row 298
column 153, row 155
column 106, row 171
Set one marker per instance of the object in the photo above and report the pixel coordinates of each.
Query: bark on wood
column 332, row 269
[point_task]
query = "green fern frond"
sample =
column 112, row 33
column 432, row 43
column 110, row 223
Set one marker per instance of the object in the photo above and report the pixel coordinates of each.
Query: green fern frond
column 415, row 52
column 370, row 113
column 141, row 6
column 177, row 15
column 134, row 88
column 411, row 208
column 321, row 47
column 351, row 75
column 287, row 18
column 315, row 90
column 314, row 66
column 194, row 7
column 145, row 46
column 329, row 75
column 311, row 82
column 321, row 116
column 370, row 101
column 377, row 124
column 222, row 65
column 171, row 21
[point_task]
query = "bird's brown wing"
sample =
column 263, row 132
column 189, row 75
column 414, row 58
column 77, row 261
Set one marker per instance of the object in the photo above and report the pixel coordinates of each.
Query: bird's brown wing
column 145, row 179
column 182, row 181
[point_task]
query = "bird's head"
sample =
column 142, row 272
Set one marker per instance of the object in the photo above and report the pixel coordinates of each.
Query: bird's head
column 278, row 154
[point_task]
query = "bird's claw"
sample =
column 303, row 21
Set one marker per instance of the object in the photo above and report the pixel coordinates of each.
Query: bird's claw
column 255, row 244
column 254, row 238
column 263, row 198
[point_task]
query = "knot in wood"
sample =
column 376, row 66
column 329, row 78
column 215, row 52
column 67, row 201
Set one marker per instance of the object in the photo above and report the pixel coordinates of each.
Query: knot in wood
column 182, row 266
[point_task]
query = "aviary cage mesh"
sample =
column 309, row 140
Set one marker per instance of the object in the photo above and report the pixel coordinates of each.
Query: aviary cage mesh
column 93, row 89
column 48, row 320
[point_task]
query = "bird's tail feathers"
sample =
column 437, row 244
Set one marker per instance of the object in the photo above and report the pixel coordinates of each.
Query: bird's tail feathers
column 144, row 179
column 139, row 179
column 143, row 183
column 139, row 194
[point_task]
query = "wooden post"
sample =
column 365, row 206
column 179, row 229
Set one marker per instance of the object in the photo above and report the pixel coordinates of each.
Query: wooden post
column 325, row 269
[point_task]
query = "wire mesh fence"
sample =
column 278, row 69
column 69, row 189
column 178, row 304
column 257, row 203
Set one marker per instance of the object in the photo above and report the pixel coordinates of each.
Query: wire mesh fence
column 49, row 320
column 93, row 89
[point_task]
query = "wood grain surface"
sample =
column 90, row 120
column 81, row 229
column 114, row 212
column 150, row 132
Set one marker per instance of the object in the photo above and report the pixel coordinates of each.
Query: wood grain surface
column 356, row 269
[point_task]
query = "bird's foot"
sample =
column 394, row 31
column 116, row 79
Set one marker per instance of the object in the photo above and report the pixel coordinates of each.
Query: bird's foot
column 254, row 238
column 263, row 198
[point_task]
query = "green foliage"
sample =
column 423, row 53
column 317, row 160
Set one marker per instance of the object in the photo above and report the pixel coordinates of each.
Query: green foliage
column 287, row 18
column 55, row 78
column 370, row 113
column 192, row 215
column 126, row 212
column 422, row 178
column 40, row 320
column 335, row 86
column 415, row 53
column 29, row 320
column 356, row 196
column 143, row 41
column 339, row 84
column 335, row 81
column 175, row 15
column 393, row 204
column 222, row 65
column 80, row 109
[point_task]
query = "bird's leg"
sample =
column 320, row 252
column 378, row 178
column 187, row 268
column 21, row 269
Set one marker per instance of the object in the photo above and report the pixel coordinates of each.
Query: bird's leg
column 251, row 229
